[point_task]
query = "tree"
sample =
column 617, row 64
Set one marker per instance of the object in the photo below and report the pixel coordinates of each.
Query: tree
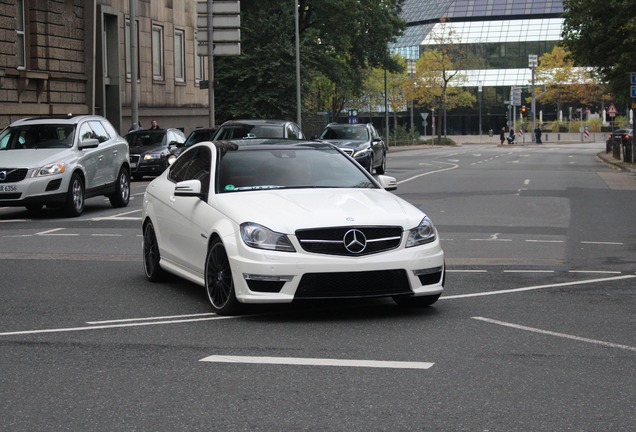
column 565, row 83
column 602, row 35
column 339, row 40
column 436, row 83
column 393, row 84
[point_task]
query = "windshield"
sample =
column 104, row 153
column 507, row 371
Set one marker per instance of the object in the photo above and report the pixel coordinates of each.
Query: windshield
column 146, row 138
column 37, row 137
column 344, row 132
column 257, row 169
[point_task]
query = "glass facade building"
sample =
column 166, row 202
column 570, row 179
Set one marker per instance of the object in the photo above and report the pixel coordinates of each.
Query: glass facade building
column 497, row 35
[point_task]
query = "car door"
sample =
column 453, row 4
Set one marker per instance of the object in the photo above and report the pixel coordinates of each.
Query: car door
column 108, row 151
column 92, row 159
column 376, row 143
column 189, row 221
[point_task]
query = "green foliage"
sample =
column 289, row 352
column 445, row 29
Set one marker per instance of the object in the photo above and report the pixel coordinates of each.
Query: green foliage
column 403, row 136
column 602, row 34
column 339, row 41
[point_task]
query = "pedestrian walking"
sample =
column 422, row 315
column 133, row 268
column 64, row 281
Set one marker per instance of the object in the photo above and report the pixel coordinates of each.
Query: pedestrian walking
column 537, row 135
column 502, row 135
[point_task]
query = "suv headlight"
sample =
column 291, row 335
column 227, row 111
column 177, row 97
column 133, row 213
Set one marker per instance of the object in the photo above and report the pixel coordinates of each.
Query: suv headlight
column 52, row 169
column 260, row 237
column 423, row 233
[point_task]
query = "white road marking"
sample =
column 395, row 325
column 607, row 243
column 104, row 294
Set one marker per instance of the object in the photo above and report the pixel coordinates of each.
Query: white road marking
column 151, row 318
column 528, row 271
column 15, row 220
column 526, row 182
column 137, row 324
column 466, row 271
column 545, row 241
column 297, row 361
column 601, row 243
column 54, row 232
column 536, row 287
column 594, row 271
column 431, row 172
column 551, row 333
column 106, row 235
column 120, row 216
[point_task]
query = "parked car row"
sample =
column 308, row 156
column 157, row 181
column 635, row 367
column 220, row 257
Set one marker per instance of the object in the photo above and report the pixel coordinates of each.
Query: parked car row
column 83, row 156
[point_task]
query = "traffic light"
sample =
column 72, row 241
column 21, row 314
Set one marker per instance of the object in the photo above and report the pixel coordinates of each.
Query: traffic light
column 523, row 109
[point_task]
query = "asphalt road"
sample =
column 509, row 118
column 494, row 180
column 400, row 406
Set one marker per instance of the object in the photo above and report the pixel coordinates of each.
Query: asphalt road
column 534, row 332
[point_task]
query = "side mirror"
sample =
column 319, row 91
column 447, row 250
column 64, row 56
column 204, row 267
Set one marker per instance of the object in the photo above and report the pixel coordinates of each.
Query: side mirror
column 89, row 143
column 189, row 188
column 387, row 182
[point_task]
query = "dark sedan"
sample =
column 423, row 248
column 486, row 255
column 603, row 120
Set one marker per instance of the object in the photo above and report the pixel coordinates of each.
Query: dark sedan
column 150, row 150
column 360, row 141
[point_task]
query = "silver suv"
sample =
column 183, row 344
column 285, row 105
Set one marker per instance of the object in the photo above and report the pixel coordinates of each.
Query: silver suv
column 61, row 161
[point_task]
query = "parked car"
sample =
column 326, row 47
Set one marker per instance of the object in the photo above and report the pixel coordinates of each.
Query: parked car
column 150, row 150
column 196, row 136
column 62, row 161
column 618, row 137
column 360, row 141
column 251, row 129
column 272, row 223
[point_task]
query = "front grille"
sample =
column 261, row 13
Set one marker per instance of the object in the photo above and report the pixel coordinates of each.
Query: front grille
column 134, row 160
column 378, row 283
column 14, row 175
column 10, row 196
column 331, row 241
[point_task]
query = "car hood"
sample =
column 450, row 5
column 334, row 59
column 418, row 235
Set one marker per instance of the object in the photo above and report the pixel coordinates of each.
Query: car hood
column 34, row 158
column 286, row 211
column 352, row 144
column 145, row 149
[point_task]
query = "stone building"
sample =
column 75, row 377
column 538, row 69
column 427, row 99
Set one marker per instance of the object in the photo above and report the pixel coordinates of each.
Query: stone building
column 73, row 56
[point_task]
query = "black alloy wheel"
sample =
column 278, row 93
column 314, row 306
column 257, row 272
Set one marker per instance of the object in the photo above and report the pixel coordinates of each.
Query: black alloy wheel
column 152, row 269
column 218, row 280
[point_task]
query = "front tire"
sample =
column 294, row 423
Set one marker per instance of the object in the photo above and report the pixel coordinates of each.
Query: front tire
column 74, row 205
column 122, row 190
column 219, row 284
column 151, row 257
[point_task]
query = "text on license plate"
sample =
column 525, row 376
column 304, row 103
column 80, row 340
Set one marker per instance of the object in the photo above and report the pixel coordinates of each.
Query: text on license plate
column 8, row 188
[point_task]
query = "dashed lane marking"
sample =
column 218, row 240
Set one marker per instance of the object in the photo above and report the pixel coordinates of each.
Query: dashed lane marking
column 301, row 361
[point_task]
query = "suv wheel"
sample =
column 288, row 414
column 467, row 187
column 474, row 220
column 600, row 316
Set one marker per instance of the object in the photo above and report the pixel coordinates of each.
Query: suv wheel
column 122, row 190
column 74, row 205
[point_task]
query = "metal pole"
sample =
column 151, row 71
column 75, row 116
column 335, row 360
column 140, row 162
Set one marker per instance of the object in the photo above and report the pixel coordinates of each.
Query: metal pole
column 211, row 64
column 298, row 100
column 134, row 104
column 480, row 90
column 386, row 108
column 533, row 106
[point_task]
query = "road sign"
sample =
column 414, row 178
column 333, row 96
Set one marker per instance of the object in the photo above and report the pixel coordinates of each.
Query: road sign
column 220, row 49
column 226, row 23
column 634, row 91
column 633, row 77
column 218, row 21
column 515, row 95
column 221, row 35
column 612, row 111
column 219, row 7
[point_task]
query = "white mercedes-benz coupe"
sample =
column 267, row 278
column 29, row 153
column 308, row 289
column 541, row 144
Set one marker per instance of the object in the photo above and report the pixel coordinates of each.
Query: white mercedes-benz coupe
column 272, row 221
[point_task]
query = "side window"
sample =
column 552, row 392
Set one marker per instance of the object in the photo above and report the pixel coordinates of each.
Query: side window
column 99, row 130
column 85, row 132
column 178, row 170
column 291, row 132
column 199, row 169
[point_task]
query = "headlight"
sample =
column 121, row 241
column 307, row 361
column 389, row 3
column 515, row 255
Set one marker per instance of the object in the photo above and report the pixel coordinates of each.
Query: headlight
column 150, row 156
column 260, row 237
column 421, row 234
column 361, row 152
column 52, row 169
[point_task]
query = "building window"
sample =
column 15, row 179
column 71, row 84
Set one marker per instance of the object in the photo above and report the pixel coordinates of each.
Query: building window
column 157, row 52
column 179, row 56
column 127, row 49
column 21, row 37
column 198, row 64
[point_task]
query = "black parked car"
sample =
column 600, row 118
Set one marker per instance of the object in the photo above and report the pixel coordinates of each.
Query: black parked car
column 195, row 137
column 360, row 141
column 150, row 150
column 255, row 129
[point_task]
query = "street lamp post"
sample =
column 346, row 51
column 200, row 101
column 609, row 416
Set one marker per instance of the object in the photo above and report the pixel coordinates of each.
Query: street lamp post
column 480, row 90
column 532, row 64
